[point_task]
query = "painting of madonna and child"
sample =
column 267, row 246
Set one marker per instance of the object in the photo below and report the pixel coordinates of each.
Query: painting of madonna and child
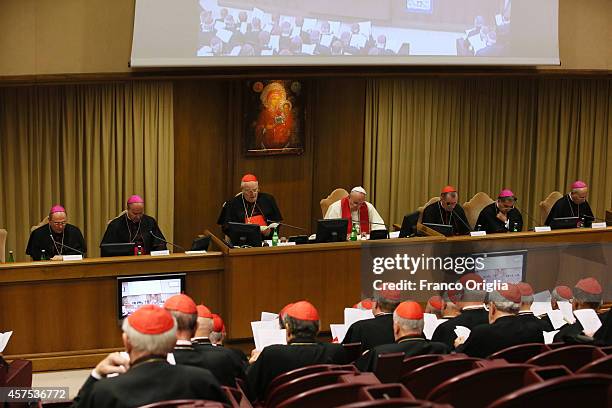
column 274, row 117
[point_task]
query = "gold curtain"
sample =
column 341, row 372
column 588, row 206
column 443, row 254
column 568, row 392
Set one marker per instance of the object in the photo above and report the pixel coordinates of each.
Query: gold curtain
column 87, row 147
column 531, row 135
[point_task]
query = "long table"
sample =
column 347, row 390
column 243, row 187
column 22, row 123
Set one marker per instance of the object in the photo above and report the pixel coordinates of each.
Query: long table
column 64, row 314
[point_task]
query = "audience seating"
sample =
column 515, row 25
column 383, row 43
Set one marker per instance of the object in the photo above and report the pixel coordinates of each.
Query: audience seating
column 588, row 390
column 302, row 384
column 236, row 397
column 185, row 403
column 389, row 366
column 520, row 353
column 422, row 380
column 337, row 194
column 412, row 363
column 327, row 396
column 395, row 402
column 19, row 374
column 352, row 350
column 479, row 387
column 607, row 349
column 573, row 357
column 602, row 365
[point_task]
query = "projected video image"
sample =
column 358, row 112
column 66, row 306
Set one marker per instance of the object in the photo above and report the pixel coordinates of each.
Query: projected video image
column 506, row 268
column 315, row 28
column 147, row 292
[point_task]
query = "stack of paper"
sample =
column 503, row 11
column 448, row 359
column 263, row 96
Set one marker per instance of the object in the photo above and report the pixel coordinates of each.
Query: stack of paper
column 338, row 332
column 566, row 309
column 352, row 315
column 462, row 331
column 266, row 333
column 589, row 320
column 556, row 318
column 431, row 322
column 4, row 339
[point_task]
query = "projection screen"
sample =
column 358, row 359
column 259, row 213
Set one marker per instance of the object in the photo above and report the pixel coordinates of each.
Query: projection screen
column 183, row 33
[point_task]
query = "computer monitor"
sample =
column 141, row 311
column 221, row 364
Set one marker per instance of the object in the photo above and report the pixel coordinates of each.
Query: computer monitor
column 332, row 230
column 409, row 225
column 379, row 234
column 244, row 235
column 443, row 229
column 117, row 249
column 201, row 243
column 136, row 291
column 564, row 223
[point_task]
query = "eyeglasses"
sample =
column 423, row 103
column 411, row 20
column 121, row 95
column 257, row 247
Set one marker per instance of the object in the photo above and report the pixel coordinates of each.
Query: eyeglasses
column 250, row 190
column 58, row 223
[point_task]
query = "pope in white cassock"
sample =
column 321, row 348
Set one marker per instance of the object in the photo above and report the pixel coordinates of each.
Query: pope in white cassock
column 357, row 210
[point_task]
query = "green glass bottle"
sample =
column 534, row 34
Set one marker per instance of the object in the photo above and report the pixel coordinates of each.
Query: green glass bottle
column 354, row 233
column 11, row 258
column 43, row 255
column 275, row 238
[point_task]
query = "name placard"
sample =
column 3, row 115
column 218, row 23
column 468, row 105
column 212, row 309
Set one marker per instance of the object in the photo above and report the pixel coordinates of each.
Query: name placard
column 72, row 257
column 478, row 233
column 165, row 252
column 598, row 225
column 542, row 229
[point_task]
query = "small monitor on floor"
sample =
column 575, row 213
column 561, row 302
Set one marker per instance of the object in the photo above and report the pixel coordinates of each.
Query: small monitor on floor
column 332, row 230
column 244, row 235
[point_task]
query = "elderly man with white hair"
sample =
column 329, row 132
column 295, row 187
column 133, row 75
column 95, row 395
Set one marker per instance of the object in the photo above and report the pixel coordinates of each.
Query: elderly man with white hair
column 408, row 326
column 357, row 211
column 250, row 206
column 504, row 330
column 573, row 204
column 149, row 334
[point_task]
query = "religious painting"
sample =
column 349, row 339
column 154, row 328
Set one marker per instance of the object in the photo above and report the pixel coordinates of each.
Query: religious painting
column 274, row 117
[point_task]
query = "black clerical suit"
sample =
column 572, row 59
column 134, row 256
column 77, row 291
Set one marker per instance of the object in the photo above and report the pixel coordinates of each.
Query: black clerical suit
column 470, row 318
column 41, row 239
column 489, row 222
column 278, row 359
column 529, row 318
column 221, row 362
column 570, row 332
column 150, row 379
column 238, row 209
column 124, row 230
column 565, row 207
column 435, row 214
column 371, row 332
column 505, row 332
column 409, row 345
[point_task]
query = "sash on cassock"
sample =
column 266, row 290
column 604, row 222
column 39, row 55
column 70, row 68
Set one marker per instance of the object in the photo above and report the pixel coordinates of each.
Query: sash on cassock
column 364, row 217
column 256, row 219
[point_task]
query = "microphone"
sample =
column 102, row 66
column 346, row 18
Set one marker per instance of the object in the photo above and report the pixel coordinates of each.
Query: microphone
column 287, row 225
column 369, row 222
column 535, row 223
column 458, row 217
column 593, row 218
column 66, row 246
column 167, row 242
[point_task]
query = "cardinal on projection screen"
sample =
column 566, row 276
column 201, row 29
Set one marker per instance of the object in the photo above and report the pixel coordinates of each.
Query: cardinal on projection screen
column 339, row 32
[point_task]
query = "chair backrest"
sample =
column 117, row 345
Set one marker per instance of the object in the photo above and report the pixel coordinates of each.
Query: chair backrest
column 602, row 365
column 431, row 201
column 120, row 215
column 352, row 351
column 185, row 403
column 412, row 363
column 520, row 353
column 547, row 204
column 392, row 402
column 327, row 396
column 474, row 206
column 297, row 373
column 337, row 194
column 19, row 374
column 388, row 366
column 40, row 224
column 236, row 397
column 3, row 234
column 573, row 357
column 483, row 385
column 589, row 390
column 299, row 385
column 424, row 379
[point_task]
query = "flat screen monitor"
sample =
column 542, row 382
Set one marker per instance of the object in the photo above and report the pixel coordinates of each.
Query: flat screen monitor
column 332, row 230
column 136, row 291
column 443, row 229
column 379, row 234
column 244, row 235
column 504, row 267
column 564, row 223
column 117, row 249
column 409, row 225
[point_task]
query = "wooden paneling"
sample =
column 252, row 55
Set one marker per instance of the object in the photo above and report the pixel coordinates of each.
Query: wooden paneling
column 201, row 147
column 210, row 160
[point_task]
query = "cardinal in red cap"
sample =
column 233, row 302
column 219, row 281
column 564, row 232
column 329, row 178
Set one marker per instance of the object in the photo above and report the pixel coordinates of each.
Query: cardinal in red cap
column 500, row 216
column 145, row 376
column 134, row 226
column 434, row 305
column 379, row 330
column 217, row 336
column 56, row 238
column 408, row 337
column 587, row 294
column 574, row 204
column 302, row 349
column 525, row 312
column 249, row 207
column 204, row 328
column 446, row 215
column 561, row 293
column 506, row 329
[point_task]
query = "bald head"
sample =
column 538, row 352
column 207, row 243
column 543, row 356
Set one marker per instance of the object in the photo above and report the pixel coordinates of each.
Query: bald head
column 579, row 195
column 135, row 211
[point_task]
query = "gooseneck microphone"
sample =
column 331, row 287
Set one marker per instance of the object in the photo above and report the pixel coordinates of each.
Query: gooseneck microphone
column 452, row 211
column 167, row 242
column 65, row 246
column 287, row 225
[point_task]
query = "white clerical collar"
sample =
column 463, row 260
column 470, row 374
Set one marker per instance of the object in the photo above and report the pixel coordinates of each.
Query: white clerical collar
column 475, row 307
column 183, row 342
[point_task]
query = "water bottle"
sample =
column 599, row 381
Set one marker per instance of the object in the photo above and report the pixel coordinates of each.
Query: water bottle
column 354, row 233
column 514, row 227
column 478, row 227
column 139, row 250
column 43, row 255
column 11, row 258
column 275, row 238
